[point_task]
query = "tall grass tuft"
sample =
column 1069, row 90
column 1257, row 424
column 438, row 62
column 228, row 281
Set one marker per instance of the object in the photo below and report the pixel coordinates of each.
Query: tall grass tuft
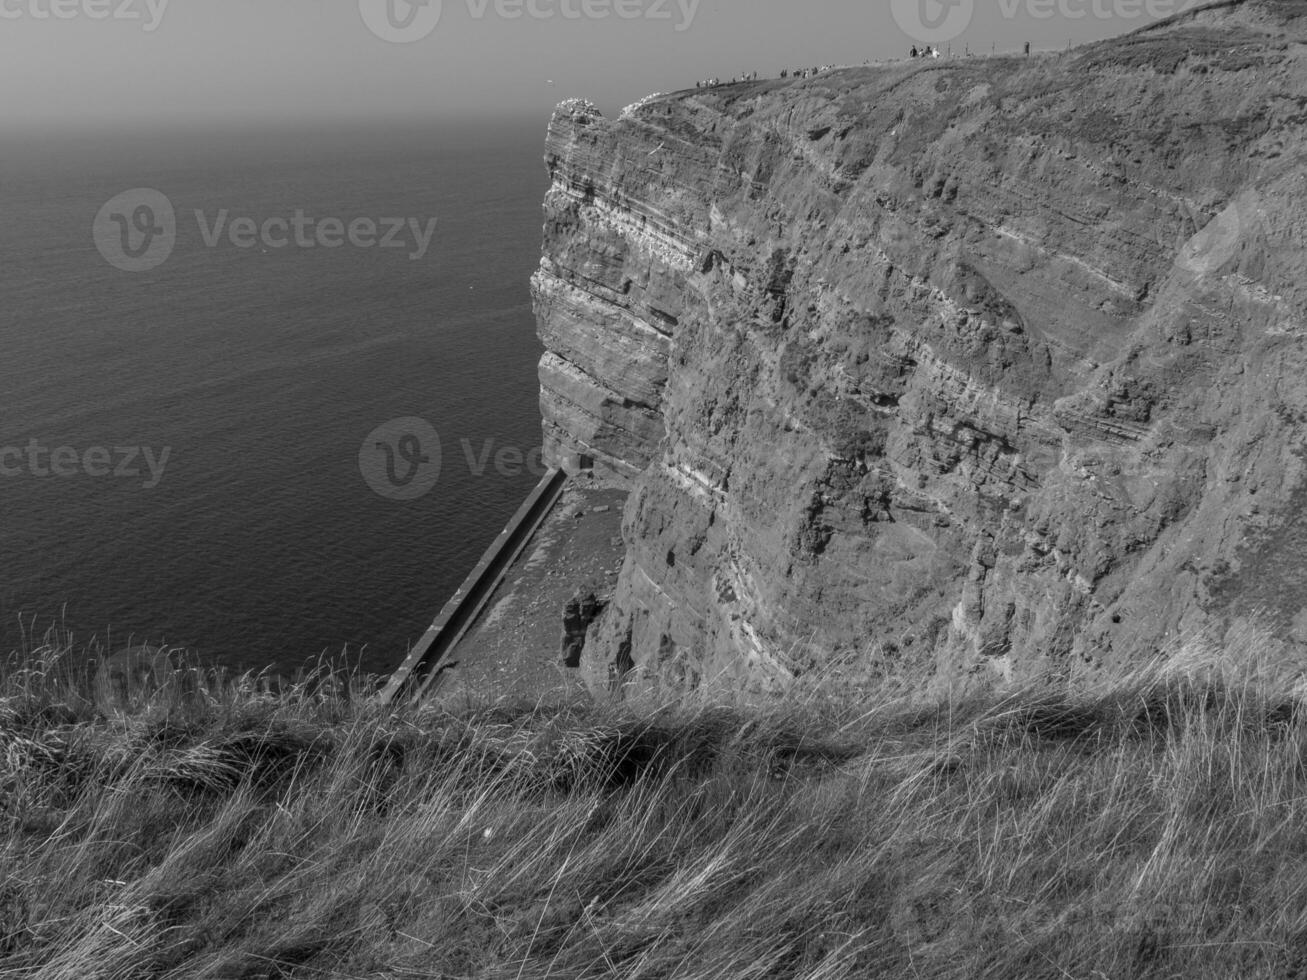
column 1154, row 827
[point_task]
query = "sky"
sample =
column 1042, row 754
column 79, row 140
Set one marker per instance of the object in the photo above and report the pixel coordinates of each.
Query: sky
column 206, row 61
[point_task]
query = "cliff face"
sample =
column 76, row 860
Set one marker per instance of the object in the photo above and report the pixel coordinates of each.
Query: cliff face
column 961, row 369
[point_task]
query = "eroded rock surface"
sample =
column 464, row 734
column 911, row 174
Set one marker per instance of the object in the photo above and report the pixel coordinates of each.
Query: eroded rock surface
column 963, row 369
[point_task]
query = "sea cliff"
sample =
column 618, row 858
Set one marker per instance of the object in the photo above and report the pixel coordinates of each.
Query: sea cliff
column 957, row 372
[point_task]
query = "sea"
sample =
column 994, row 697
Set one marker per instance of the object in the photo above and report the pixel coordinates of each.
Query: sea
column 187, row 412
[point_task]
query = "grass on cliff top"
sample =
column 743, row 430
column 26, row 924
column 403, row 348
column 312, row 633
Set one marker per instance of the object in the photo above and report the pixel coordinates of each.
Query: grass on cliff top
column 1154, row 829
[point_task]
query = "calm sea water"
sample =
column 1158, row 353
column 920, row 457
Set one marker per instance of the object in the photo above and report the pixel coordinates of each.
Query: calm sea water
column 261, row 371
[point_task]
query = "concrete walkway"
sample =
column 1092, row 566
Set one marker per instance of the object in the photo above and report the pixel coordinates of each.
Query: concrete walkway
column 515, row 647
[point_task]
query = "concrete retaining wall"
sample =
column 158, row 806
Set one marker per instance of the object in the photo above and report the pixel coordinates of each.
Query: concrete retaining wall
column 419, row 671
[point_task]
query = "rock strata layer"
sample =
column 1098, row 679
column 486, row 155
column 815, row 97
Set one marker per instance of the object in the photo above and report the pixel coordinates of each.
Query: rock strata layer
column 964, row 370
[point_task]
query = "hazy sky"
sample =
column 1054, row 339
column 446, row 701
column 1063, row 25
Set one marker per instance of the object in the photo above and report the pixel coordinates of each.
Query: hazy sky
column 208, row 60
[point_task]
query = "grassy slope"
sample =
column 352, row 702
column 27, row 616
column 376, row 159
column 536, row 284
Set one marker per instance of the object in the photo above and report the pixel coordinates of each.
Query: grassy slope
column 1155, row 830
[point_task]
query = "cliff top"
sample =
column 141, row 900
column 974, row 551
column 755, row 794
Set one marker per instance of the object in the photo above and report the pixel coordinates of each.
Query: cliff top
column 1224, row 35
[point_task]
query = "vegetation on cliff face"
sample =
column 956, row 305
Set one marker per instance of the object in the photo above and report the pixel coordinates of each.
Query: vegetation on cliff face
column 1154, row 829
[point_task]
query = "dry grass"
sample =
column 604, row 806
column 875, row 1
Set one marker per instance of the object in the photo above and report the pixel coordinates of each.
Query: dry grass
column 1154, row 829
